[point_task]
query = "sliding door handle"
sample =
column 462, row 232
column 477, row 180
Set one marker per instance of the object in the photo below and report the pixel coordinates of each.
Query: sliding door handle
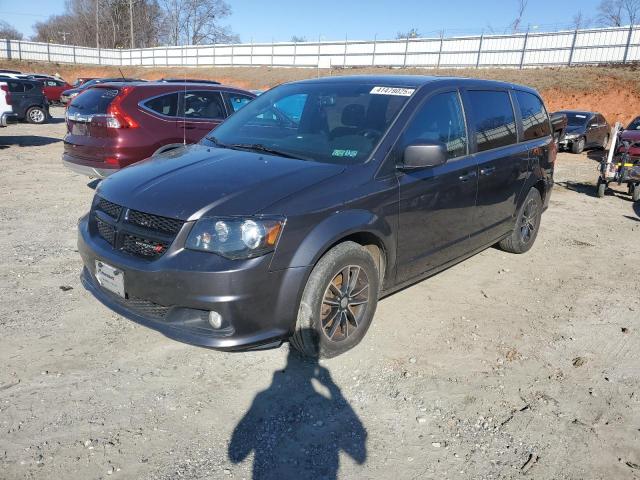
column 487, row 171
column 467, row 176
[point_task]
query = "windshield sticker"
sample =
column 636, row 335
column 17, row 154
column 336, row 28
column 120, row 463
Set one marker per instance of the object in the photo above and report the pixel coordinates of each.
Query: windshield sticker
column 402, row 92
column 344, row 153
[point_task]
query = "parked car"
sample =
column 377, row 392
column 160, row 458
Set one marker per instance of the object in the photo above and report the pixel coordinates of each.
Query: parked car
column 584, row 130
column 27, row 100
column 113, row 125
column 67, row 95
column 7, row 117
column 80, row 80
column 54, row 88
column 631, row 136
column 272, row 228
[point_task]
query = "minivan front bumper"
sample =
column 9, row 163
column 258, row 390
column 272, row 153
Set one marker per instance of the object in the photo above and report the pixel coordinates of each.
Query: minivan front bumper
column 175, row 293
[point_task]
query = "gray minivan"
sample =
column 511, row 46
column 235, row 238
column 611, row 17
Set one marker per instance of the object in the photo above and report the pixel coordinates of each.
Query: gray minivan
column 291, row 219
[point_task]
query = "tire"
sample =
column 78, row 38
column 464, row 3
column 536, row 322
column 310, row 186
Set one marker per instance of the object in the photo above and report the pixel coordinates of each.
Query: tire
column 635, row 194
column 577, row 146
column 326, row 326
column 605, row 142
column 601, row 187
column 36, row 115
column 526, row 226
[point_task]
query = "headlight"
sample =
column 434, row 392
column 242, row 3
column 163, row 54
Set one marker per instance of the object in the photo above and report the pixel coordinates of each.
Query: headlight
column 235, row 237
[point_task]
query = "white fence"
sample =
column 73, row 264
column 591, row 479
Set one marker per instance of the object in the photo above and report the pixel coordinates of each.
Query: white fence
column 577, row 47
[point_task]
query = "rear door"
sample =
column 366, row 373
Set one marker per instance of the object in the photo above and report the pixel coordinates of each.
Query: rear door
column 164, row 111
column 18, row 97
column 502, row 162
column 437, row 203
column 200, row 111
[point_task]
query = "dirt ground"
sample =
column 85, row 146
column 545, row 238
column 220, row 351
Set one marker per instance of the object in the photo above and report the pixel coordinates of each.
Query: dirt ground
column 504, row 366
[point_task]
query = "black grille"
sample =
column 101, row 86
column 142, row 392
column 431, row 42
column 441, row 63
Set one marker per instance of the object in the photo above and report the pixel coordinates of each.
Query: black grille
column 106, row 231
column 146, row 308
column 109, row 208
column 143, row 247
column 154, row 222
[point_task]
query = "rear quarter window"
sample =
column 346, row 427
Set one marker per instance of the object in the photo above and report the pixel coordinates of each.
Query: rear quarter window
column 493, row 119
column 166, row 105
column 535, row 121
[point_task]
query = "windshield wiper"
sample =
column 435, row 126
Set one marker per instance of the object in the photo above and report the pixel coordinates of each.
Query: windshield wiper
column 262, row 148
column 217, row 142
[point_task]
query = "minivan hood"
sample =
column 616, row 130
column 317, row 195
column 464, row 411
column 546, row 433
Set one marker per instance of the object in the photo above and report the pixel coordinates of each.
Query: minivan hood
column 194, row 181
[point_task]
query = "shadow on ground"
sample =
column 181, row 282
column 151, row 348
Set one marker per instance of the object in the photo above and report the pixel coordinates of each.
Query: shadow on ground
column 299, row 425
column 26, row 141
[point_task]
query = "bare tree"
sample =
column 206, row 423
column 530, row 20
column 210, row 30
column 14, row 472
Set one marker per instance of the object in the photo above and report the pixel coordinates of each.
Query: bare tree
column 412, row 33
column 580, row 20
column 8, row 32
column 610, row 13
column 298, row 39
column 632, row 9
column 522, row 6
column 196, row 22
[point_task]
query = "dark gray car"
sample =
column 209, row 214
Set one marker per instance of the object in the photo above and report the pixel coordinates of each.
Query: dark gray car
column 585, row 130
column 292, row 218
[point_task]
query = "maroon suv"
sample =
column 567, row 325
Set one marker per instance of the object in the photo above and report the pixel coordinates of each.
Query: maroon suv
column 113, row 125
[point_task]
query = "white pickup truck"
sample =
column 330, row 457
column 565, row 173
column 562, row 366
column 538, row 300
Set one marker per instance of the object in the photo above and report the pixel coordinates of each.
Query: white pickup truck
column 7, row 117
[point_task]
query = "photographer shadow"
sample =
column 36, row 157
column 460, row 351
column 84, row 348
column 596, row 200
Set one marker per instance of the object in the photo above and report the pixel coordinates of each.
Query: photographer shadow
column 299, row 425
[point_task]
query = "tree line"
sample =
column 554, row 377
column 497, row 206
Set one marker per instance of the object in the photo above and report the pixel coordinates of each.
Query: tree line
column 134, row 24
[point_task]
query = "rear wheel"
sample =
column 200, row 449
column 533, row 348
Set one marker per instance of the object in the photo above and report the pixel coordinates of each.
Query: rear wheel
column 605, row 142
column 578, row 145
column 36, row 115
column 338, row 302
column 527, row 225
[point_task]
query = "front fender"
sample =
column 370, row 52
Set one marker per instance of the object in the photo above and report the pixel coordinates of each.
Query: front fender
column 309, row 247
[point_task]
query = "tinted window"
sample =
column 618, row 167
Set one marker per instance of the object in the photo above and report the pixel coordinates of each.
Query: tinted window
column 93, row 101
column 203, row 105
column 493, row 119
column 16, row 87
column 164, row 105
column 635, row 125
column 238, row 101
column 535, row 121
column 440, row 119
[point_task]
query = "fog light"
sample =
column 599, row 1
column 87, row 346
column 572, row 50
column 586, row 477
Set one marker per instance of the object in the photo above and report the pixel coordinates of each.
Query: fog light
column 215, row 319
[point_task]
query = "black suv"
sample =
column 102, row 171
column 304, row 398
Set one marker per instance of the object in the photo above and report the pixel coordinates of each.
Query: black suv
column 28, row 100
column 292, row 218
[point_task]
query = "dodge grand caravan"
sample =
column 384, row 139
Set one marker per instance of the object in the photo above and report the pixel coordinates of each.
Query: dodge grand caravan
column 295, row 216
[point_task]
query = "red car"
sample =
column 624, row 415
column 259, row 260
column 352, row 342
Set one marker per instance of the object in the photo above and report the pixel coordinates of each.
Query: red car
column 631, row 134
column 53, row 88
column 112, row 125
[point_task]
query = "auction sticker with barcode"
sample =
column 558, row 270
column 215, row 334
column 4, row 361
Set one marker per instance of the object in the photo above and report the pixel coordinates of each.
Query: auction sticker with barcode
column 403, row 92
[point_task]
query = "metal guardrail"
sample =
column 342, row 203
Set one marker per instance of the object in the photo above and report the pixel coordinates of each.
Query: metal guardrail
column 521, row 50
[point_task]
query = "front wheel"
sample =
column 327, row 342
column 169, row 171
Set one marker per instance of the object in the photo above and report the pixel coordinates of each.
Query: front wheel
column 338, row 302
column 527, row 225
column 36, row 115
column 605, row 142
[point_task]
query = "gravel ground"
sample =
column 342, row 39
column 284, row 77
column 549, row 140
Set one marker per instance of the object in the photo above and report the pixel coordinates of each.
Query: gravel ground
column 502, row 367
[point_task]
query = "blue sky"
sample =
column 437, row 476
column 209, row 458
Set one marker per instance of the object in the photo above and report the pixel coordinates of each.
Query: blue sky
column 358, row 19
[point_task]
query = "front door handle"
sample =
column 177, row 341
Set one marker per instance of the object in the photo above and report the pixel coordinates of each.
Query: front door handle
column 487, row 171
column 467, row 176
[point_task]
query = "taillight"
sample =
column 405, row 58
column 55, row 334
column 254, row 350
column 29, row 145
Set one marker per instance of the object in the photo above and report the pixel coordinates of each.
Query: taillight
column 116, row 116
column 7, row 94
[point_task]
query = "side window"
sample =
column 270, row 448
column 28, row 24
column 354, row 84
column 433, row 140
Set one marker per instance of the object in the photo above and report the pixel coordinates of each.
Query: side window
column 493, row 119
column 28, row 87
column 535, row 121
column 51, row 83
column 16, row 87
column 203, row 105
column 238, row 101
column 165, row 105
column 440, row 119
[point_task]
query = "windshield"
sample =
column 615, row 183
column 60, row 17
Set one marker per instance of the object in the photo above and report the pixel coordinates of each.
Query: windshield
column 576, row 119
column 635, row 125
column 324, row 122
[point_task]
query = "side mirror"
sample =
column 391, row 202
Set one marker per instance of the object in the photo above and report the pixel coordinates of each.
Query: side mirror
column 424, row 154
